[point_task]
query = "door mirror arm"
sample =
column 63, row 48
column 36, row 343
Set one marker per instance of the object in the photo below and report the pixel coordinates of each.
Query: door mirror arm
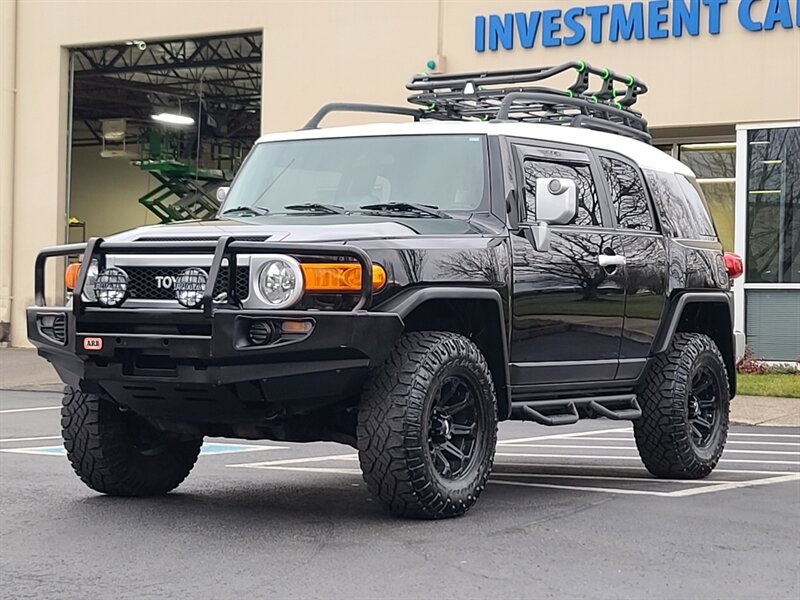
column 537, row 234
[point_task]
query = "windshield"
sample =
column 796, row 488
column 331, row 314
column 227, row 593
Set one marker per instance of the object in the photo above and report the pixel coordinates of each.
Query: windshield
column 446, row 172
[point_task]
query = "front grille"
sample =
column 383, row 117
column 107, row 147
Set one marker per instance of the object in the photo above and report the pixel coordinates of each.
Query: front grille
column 143, row 282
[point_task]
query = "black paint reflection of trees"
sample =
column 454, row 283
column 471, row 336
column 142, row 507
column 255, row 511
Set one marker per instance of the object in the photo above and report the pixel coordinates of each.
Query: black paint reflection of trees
column 627, row 194
column 474, row 265
column 588, row 206
column 413, row 262
column 571, row 262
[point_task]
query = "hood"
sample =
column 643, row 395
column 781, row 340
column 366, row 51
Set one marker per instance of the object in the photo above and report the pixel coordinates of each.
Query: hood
column 321, row 228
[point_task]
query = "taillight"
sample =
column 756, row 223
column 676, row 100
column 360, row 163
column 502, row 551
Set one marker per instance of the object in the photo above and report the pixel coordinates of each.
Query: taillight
column 733, row 265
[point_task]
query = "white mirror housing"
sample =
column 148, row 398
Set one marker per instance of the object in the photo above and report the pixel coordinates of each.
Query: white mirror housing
column 222, row 193
column 556, row 200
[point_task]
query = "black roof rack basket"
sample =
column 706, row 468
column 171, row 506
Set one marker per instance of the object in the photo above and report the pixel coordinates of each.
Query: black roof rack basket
column 512, row 96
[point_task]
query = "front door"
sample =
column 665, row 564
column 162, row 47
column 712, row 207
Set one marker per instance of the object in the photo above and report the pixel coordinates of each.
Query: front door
column 569, row 302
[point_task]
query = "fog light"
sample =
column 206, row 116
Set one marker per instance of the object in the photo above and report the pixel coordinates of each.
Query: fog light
column 111, row 286
column 190, row 286
column 261, row 332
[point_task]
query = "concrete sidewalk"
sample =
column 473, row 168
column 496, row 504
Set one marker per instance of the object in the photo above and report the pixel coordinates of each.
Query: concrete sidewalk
column 22, row 369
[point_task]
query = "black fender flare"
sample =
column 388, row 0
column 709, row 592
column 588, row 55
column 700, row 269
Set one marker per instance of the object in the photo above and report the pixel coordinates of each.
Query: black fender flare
column 404, row 303
column 672, row 318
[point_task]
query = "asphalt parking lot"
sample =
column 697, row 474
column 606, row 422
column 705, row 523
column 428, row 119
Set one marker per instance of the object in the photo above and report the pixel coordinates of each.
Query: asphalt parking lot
column 569, row 513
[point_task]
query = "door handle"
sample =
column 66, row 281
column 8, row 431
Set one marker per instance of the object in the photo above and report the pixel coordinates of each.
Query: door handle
column 613, row 260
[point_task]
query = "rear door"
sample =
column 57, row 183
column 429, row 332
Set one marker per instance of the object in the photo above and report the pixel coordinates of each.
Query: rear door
column 568, row 309
column 645, row 265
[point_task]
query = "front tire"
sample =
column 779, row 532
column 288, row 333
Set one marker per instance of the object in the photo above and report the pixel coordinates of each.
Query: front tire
column 117, row 453
column 427, row 426
column 685, row 408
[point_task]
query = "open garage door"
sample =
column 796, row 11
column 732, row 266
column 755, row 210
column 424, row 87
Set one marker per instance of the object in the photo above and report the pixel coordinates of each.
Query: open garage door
column 157, row 127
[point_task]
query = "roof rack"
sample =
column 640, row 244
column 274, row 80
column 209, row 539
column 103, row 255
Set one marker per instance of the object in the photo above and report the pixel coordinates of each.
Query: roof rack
column 504, row 96
column 509, row 96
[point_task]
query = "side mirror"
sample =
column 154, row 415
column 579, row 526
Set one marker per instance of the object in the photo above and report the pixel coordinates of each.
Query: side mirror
column 222, row 193
column 556, row 200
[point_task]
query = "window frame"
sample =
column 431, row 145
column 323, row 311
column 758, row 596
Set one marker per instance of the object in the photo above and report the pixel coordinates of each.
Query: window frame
column 523, row 148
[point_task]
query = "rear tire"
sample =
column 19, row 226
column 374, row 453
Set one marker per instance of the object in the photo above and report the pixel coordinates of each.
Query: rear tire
column 117, row 453
column 427, row 426
column 685, row 407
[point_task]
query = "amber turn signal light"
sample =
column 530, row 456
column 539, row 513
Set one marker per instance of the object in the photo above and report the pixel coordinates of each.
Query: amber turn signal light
column 71, row 275
column 339, row 277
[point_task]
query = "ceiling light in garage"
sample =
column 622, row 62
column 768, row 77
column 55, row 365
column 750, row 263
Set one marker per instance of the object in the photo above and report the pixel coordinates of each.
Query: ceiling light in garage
column 172, row 119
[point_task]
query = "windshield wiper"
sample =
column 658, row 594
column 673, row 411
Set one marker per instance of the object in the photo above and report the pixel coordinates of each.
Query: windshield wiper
column 319, row 208
column 406, row 207
column 252, row 210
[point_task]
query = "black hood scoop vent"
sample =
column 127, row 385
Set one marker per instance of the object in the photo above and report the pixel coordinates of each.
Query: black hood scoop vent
column 205, row 238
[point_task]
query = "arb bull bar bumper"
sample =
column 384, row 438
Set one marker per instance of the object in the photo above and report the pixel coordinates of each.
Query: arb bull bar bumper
column 200, row 364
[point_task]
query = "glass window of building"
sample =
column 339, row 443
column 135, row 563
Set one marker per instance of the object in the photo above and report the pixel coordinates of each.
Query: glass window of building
column 772, row 243
column 714, row 164
column 773, row 206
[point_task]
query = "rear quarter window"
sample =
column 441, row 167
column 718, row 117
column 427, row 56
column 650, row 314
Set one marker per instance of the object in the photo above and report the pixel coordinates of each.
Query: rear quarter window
column 680, row 205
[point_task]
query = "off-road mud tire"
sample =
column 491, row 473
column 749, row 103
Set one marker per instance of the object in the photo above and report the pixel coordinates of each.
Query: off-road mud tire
column 102, row 449
column 663, row 434
column 393, row 426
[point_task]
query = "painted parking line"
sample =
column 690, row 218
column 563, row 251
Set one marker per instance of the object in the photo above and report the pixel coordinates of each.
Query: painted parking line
column 633, row 448
column 8, row 411
column 641, row 483
column 565, row 436
column 208, row 448
column 684, row 493
column 631, row 439
column 30, row 439
column 296, row 461
column 617, row 457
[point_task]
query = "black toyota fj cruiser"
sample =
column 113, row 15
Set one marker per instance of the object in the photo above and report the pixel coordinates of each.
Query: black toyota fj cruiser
column 516, row 252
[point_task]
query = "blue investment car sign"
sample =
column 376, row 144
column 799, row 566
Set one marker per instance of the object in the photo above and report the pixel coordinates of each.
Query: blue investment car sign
column 656, row 19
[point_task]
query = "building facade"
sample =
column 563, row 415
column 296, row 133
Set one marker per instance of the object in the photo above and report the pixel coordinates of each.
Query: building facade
column 724, row 97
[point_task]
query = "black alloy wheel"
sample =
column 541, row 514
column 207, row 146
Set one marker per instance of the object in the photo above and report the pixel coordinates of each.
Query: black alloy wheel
column 704, row 406
column 453, row 427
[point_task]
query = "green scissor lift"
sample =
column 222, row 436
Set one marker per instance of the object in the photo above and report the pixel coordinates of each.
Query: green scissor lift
column 185, row 191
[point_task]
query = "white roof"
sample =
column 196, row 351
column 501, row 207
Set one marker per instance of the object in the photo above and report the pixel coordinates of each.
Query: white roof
column 643, row 154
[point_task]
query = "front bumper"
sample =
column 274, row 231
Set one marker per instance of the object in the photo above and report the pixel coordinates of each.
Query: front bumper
column 186, row 366
column 201, row 365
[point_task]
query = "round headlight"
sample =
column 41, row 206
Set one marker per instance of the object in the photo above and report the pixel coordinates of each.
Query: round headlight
column 91, row 277
column 111, row 286
column 190, row 286
column 280, row 282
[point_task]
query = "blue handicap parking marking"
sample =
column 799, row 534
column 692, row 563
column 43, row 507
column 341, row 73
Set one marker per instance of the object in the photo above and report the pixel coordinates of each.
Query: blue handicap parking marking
column 219, row 448
column 208, row 448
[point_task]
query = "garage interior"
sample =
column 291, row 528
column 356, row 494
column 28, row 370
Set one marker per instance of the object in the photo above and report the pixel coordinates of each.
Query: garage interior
column 157, row 127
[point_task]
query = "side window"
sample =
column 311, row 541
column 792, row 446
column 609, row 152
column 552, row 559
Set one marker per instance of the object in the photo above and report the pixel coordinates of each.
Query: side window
column 697, row 206
column 680, row 216
column 588, row 205
column 627, row 195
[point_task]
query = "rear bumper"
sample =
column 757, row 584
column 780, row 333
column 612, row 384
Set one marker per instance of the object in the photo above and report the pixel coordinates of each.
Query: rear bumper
column 189, row 367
